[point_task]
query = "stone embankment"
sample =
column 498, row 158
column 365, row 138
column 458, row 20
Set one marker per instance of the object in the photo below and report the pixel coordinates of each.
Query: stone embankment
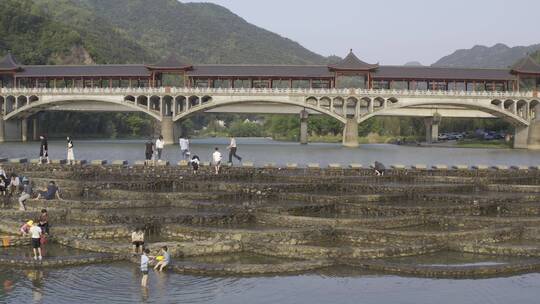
column 250, row 220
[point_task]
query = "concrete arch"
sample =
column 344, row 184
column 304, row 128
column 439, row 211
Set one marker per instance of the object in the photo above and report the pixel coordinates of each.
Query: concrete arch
column 491, row 109
column 533, row 109
column 212, row 105
column 312, row 100
column 180, row 104
column 45, row 103
column 155, row 103
column 325, row 103
column 497, row 102
column 21, row 101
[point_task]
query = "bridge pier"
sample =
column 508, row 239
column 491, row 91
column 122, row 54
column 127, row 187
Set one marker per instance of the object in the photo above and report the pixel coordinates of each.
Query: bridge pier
column 24, row 129
column 304, row 127
column 167, row 130
column 521, row 137
column 2, row 137
column 35, row 128
column 350, row 133
column 432, row 130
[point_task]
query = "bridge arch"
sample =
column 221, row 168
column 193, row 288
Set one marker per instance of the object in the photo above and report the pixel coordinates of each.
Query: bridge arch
column 495, row 110
column 324, row 106
column 45, row 103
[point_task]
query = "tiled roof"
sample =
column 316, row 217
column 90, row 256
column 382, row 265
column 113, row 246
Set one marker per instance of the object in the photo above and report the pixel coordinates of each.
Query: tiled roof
column 413, row 72
column 9, row 63
column 293, row 71
column 526, row 65
column 105, row 70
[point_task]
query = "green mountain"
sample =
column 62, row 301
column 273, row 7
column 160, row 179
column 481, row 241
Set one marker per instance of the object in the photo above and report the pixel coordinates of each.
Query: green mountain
column 129, row 31
column 497, row 56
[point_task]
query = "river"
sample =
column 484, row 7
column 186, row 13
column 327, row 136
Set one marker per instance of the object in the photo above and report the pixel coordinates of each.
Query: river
column 119, row 283
column 261, row 151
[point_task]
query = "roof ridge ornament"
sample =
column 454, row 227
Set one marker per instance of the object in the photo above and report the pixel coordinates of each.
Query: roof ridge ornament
column 352, row 63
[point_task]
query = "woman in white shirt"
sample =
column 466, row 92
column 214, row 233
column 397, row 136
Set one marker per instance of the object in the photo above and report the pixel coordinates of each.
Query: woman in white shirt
column 160, row 143
column 70, row 153
column 216, row 158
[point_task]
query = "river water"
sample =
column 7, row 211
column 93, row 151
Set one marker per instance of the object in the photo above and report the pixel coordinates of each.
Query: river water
column 261, row 151
column 119, row 283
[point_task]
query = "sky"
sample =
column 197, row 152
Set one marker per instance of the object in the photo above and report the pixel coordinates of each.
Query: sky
column 393, row 31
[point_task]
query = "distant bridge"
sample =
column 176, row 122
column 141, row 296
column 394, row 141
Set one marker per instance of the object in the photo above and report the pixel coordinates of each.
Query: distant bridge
column 349, row 106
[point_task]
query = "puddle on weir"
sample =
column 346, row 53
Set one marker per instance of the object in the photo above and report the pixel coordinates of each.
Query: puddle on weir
column 238, row 258
column 51, row 250
column 456, row 259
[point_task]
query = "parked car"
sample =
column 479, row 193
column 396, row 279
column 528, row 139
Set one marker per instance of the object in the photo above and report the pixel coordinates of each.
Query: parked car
column 443, row 136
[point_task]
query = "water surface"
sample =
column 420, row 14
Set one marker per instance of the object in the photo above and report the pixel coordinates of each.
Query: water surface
column 261, row 151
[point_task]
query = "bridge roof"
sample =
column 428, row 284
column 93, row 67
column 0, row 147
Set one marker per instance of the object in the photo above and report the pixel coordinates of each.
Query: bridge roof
column 103, row 70
column 526, row 65
column 229, row 70
column 413, row 72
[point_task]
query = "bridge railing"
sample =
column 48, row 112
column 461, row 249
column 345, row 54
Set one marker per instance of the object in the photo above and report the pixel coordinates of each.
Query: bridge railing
column 261, row 91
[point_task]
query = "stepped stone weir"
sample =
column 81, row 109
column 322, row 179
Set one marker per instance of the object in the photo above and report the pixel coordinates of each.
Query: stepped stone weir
column 433, row 222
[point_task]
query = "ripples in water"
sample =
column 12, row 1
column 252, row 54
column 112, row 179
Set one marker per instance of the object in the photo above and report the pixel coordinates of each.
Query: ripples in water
column 119, row 283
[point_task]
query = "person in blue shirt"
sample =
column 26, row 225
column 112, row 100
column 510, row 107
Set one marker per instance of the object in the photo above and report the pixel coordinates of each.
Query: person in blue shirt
column 145, row 259
column 50, row 193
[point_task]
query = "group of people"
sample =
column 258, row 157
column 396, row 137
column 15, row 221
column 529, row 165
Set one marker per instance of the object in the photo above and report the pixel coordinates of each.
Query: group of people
column 162, row 261
column 44, row 150
column 9, row 186
column 38, row 232
column 154, row 151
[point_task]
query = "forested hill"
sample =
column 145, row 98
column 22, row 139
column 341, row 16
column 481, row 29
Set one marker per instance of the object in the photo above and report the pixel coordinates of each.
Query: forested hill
column 129, row 31
column 497, row 56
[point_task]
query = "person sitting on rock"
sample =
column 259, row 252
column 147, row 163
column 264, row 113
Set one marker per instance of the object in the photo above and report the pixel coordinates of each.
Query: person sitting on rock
column 165, row 260
column 379, row 168
column 14, row 184
column 52, row 191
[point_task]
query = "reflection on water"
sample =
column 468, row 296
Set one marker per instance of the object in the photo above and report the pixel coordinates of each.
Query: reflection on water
column 262, row 151
column 120, row 283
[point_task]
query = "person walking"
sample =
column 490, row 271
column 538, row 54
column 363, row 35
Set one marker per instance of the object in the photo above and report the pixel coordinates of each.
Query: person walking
column 232, row 150
column 70, row 154
column 35, row 234
column 145, row 259
column 184, row 147
column 160, row 143
column 26, row 194
column 149, row 151
column 43, row 149
column 216, row 159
